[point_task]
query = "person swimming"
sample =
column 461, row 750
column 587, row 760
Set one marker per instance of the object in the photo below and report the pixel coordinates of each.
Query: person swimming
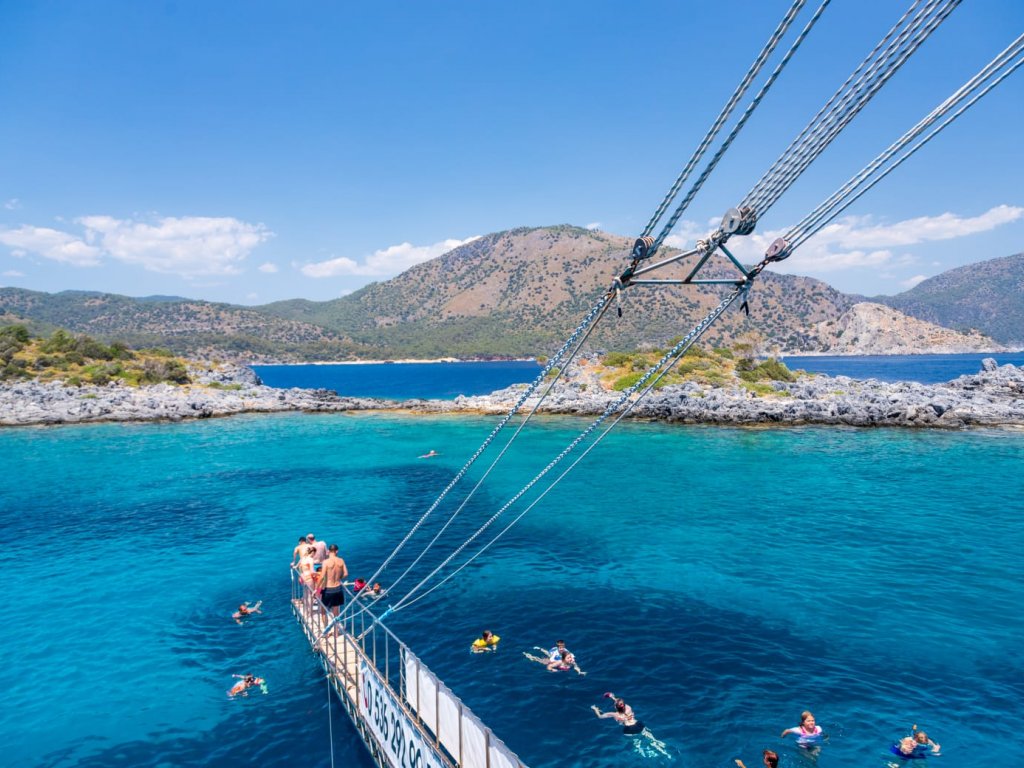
column 808, row 733
column 488, row 641
column 769, row 759
column 924, row 743
column 622, row 714
column 246, row 610
column 245, row 682
column 557, row 659
column 633, row 726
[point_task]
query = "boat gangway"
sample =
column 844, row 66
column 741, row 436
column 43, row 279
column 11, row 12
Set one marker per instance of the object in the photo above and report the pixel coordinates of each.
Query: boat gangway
column 405, row 715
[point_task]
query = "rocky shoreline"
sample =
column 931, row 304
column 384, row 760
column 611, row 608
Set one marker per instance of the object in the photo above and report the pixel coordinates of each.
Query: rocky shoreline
column 994, row 397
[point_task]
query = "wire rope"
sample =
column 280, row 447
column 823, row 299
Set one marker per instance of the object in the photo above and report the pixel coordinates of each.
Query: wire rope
column 709, row 137
column 727, row 142
column 671, row 355
column 814, row 222
column 870, row 83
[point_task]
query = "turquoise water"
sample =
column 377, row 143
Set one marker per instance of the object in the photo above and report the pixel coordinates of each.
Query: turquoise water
column 720, row 580
column 927, row 369
column 402, row 381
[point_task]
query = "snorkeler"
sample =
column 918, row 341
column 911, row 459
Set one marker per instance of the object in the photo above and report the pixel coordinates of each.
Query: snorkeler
column 488, row 641
column 246, row 610
column 245, row 682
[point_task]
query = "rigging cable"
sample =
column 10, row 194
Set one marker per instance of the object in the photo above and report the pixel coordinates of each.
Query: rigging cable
column 864, row 89
column 844, row 196
column 598, row 308
column 748, row 78
column 727, row 142
column 800, row 233
column 666, row 361
column 595, row 313
column 497, row 458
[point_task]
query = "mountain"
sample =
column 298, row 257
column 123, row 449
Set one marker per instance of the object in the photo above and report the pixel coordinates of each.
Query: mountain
column 988, row 296
column 510, row 294
column 521, row 292
column 195, row 328
column 875, row 329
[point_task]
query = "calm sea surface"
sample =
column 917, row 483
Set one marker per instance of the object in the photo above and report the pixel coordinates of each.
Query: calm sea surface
column 402, row 380
column 722, row 580
column 927, row 369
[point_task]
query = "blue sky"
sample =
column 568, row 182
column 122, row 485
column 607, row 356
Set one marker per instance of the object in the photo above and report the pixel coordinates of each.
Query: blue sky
column 250, row 152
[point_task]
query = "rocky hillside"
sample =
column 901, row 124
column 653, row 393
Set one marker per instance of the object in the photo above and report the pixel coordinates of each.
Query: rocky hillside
column 987, row 296
column 520, row 293
column 874, row 329
column 194, row 328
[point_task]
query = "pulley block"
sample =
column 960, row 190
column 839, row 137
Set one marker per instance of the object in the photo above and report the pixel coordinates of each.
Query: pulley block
column 642, row 248
column 739, row 221
column 779, row 249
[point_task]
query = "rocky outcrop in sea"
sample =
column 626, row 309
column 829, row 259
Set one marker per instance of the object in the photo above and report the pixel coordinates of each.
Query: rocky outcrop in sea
column 993, row 397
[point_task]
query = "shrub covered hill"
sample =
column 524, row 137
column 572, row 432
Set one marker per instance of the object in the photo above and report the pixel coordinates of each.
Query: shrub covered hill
column 988, row 296
column 511, row 294
column 197, row 329
column 521, row 292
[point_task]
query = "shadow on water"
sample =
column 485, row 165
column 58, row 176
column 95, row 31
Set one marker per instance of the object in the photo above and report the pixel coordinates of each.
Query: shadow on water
column 167, row 522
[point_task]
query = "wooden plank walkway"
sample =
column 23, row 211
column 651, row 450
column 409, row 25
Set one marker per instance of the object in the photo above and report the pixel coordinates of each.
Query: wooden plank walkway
column 339, row 650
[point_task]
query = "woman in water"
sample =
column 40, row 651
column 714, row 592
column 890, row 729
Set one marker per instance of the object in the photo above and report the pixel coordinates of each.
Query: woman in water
column 631, row 726
column 808, row 733
column 768, row 759
column 622, row 714
column 245, row 682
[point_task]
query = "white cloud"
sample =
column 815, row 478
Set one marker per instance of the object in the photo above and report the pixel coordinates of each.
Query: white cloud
column 13, row 273
column 383, row 263
column 910, row 282
column 52, row 244
column 190, row 246
column 269, row 267
column 856, row 241
column 593, row 225
column 13, row 204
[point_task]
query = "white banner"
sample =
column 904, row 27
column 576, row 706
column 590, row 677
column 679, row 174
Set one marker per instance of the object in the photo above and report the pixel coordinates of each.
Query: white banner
column 397, row 736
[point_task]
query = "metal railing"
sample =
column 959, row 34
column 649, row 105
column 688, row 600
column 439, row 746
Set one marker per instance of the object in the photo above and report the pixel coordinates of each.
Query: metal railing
column 359, row 636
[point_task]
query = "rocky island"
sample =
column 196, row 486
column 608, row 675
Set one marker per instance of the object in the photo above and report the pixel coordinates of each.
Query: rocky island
column 994, row 397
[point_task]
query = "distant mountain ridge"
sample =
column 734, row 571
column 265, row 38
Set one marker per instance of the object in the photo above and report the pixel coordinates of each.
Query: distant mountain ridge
column 987, row 296
column 509, row 294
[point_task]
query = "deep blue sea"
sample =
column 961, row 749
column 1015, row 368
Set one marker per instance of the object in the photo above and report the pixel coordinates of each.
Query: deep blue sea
column 721, row 580
column 402, row 381
column 927, row 369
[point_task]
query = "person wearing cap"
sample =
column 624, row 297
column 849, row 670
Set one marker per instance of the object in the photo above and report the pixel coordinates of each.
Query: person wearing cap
column 320, row 550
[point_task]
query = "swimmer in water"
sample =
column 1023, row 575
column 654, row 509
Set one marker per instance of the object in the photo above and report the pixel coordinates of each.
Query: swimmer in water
column 923, row 742
column 246, row 610
column 768, row 759
column 245, row 682
column 622, row 714
column 631, row 726
column 557, row 659
column 429, row 455
column 488, row 641
column 808, row 733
